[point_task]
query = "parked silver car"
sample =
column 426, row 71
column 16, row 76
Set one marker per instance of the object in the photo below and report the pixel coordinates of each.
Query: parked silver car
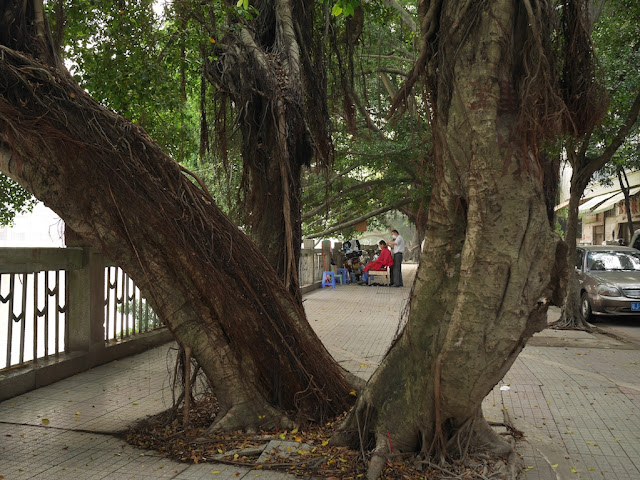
column 609, row 278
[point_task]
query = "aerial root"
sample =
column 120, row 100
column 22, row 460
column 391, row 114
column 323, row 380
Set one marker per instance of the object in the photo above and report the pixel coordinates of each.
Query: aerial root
column 378, row 457
column 246, row 420
column 495, row 445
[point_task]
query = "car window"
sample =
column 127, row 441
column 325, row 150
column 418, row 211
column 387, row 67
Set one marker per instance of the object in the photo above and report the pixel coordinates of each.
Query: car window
column 612, row 261
column 579, row 257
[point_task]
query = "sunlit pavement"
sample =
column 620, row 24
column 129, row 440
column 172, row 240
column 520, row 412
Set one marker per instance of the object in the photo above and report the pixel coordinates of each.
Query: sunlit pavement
column 574, row 395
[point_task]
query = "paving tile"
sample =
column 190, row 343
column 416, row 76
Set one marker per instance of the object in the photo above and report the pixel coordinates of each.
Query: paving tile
column 575, row 396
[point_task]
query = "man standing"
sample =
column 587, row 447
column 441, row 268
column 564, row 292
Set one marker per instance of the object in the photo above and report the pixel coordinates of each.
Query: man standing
column 398, row 250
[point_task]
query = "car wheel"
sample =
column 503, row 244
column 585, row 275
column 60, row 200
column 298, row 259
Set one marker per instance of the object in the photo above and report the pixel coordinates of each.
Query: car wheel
column 585, row 307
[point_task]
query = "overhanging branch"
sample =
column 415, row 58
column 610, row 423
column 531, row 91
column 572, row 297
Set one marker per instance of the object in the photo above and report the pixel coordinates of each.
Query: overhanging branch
column 632, row 117
column 360, row 186
column 355, row 221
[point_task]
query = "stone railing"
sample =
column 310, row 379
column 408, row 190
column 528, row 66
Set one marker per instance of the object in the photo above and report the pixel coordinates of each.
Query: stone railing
column 64, row 310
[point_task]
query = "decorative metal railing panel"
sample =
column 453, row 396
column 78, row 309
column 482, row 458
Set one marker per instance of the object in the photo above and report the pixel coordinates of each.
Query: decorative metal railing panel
column 32, row 317
column 126, row 312
column 45, row 290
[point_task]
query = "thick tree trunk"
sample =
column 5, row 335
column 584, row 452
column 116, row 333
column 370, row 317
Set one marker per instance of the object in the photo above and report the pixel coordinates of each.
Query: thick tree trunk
column 490, row 264
column 208, row 282
column 273, row 78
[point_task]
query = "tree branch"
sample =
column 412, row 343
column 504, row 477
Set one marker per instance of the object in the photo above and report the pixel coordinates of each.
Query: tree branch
column 404, row 15
column 360, row 186
column 355, row 221
column 387, row 57
column 597, row 163
column 329, row 182
column 428, row 27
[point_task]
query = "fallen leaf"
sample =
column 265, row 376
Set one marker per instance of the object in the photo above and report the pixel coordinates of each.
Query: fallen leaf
column 573, row 470
column 554, row 466
column 45, row 420
column 216, row 472
column 295, row 430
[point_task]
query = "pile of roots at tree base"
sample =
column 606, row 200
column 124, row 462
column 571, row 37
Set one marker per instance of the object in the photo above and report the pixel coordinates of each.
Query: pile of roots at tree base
column 304, row 451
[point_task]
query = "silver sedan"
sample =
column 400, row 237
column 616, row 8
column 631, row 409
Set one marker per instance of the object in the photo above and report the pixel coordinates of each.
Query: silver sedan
column 609, row 278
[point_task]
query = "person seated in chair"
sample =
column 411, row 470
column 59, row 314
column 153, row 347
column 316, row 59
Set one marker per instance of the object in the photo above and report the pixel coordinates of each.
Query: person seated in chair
column 384, row 260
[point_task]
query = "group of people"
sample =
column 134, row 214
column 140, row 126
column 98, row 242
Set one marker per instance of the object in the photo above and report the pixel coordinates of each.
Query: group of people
column 388, row 259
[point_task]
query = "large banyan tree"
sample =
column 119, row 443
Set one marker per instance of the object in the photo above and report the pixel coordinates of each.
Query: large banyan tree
column 117, row 190
column 491, row 264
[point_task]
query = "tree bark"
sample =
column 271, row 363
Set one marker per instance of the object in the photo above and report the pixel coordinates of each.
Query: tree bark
column 570, row 315
column 269, row 72
column 491, row 264
column 208, row 282
column 624, row 186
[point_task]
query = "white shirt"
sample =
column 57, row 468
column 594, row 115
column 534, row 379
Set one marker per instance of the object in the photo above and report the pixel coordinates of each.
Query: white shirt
column 399, row 246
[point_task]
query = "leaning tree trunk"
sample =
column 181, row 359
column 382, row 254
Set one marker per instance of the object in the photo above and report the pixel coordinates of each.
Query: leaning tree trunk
column 275, row 78
column 207, row 281
column 491, row 264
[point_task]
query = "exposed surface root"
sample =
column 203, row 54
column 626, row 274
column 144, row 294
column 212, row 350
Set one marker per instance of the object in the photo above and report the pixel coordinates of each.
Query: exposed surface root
column 244, row 418
column 378, row 457
column 303, row 451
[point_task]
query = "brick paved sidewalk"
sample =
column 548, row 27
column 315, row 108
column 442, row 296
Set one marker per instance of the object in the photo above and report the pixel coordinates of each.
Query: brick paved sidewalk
column 576, row 398
column 574, row 395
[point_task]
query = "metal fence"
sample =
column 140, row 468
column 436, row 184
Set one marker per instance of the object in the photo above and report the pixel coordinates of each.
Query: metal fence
column 32, row 316
column 126, row 312
column 46, row 298
column 35, row 295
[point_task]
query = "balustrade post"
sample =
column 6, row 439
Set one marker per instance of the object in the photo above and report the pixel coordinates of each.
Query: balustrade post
column 307, row 258
column 326, row 255
column 85, row 307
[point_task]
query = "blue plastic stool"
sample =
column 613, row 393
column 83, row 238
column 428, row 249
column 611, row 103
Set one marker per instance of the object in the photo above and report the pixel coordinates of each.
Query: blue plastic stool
column 343, row 273
column 331, row 281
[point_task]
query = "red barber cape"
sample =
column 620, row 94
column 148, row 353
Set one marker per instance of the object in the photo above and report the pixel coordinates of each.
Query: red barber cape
column 384, row 260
